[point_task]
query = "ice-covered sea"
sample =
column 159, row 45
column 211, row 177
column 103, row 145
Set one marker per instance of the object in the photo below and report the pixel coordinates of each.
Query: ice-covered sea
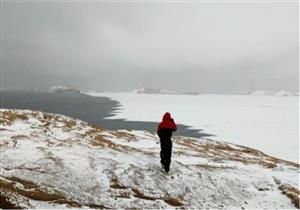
column 267, row 123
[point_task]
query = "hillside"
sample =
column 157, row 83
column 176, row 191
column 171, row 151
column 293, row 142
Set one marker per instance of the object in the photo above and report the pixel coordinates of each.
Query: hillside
column 50, row 160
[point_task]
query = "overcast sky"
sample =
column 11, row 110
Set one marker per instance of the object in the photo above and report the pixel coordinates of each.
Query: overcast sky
column 207, row 47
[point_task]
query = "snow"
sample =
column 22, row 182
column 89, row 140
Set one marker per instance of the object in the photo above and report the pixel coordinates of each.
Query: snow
column 123, row 169
column 268, row 123
column 163, row 91
column 65, row 89
column 280, row 93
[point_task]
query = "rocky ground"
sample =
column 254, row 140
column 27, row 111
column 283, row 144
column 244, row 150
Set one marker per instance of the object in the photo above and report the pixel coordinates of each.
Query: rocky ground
column 53, row 161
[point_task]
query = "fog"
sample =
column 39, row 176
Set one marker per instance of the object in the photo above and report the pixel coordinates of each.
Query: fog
column 212, row 47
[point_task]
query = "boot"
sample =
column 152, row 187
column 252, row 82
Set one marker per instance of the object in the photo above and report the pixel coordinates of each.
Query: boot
column 167, row 168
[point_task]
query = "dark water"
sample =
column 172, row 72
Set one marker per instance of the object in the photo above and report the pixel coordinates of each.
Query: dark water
column 86, row 108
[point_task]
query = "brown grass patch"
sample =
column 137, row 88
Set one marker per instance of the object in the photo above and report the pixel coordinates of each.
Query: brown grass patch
column 252, row 151
column 11, row 116
column 57, row 161
column 7, row 117
column 269, row 164
column 4, row 122
column 70, row 204
column 48, row 117
column 102, row 142
column 73, row 205
column 173, row 201
column 211, row 167
column 99, row 141
column 20, row 136
column 90, row 133
column 123, row 134
column 46, row 124
column 139, row 194
column 292, row 193
column 22, row 167
column 116, row 185
column 125, row 195
column 70, row 123
column 226, row 152
column 96, row 127
column 31, row 191
column 238, row 159
column 5, row 203
column 224, row 147
column 276, row 160
column 96, row 206
column 5, row 144
column 26, row 184
column 49, row 142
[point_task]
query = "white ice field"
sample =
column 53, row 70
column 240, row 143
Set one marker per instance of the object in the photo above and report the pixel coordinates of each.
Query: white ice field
column 267, row 123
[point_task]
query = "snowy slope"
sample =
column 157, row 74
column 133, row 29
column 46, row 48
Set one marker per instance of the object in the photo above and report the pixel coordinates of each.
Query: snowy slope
column 50, row 160
column 267, row 123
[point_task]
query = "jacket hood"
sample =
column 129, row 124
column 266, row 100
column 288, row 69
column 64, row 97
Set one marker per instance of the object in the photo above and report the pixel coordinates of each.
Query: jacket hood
column 167, row 116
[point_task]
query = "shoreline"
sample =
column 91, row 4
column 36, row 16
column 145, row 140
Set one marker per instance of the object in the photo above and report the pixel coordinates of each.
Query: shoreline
column 257, row 122
column 95, row 110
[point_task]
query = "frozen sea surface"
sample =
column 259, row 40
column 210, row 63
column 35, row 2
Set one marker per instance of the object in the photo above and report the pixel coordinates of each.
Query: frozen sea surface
column 267, row 123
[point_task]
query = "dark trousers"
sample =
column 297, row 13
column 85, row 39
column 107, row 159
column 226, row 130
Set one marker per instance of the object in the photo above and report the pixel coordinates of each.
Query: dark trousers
column 165, row 153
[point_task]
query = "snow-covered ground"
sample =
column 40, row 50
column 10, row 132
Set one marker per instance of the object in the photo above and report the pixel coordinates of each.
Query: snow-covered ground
column 279, row 93
column 53, row 161
column 268, row 123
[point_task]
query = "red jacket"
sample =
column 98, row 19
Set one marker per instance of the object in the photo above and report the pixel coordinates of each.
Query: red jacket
column 167, row 122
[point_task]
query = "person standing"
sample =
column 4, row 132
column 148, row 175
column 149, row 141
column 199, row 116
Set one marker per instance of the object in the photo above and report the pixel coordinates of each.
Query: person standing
column 164, row 131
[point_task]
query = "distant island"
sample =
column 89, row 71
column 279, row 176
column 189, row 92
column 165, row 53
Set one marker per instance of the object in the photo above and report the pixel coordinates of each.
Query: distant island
column 164, row 91
column 63, row 89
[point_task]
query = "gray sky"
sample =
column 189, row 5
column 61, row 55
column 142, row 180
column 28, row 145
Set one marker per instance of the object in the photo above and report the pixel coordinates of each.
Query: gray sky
column 206, row 47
